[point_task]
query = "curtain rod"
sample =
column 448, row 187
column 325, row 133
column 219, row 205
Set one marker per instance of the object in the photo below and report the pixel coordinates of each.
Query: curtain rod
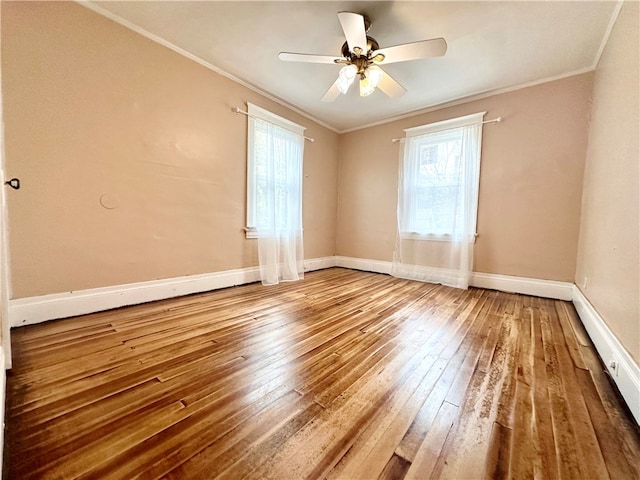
column 493, row 121
column 238, row 110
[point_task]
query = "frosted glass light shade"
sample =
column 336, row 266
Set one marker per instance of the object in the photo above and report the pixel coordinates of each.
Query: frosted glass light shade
column 345, row 78
column 349, row 71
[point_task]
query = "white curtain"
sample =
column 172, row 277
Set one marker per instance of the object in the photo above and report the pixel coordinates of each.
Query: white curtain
column 437, row 202
column 278, row 181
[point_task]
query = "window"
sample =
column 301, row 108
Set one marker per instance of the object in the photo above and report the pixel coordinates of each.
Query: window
column 439, row 179
column 274, row 173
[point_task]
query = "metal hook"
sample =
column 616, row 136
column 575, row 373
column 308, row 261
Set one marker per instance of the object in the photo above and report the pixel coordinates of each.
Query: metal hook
column 13, row 183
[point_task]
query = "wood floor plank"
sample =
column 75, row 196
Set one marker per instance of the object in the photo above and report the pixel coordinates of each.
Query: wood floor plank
column 429, row 451
column 572, row 342
column 369, row 458
column 545, row 460
column 563, row 428
column 83, row 457
column 383, row 437
column 324, row 442
column 522, row 448
column 616, row 462
column 618, row 414
column 345, row 374
column 465, row 452
column 589, row 454
column 235, row 445
column 498, row 459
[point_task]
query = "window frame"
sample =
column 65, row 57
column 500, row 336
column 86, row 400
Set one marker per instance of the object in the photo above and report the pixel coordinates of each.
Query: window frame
column 256, row 112
column 437, row 127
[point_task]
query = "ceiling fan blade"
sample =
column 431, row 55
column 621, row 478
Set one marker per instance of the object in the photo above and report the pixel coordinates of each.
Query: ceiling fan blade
column 353, row 27
column 436, row 47
column 304, row 57
column 332, row 93
column 390, row 87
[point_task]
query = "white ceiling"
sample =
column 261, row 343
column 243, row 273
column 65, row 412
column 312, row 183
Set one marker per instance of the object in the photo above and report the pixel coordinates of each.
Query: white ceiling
column 491, row 46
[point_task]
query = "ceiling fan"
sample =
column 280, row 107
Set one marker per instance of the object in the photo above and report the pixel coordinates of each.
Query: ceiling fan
column 361, row 57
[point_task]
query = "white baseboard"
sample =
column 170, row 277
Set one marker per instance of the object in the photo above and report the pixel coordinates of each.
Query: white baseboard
column 27, row 311
column 526, row 286
column 319, row 263
column 31, row 310
column 505, row 283
column 3, row 390
column 376, row 266
column 627, row 374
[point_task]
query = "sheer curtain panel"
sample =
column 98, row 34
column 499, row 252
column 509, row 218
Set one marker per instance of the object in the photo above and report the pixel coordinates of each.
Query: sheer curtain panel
column 275, row 193
column 438, row 201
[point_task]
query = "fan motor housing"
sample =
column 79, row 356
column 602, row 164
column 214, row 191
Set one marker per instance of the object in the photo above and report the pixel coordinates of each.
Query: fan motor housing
column 372, row 46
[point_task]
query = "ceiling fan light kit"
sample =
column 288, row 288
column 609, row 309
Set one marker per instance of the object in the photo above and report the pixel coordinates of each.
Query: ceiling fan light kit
column 369, row 80
column 361, row 55
column 345, row 77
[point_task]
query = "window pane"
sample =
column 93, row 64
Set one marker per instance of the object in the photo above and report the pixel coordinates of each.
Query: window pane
column 434, row 183
column 437, row 185
column 439, row 178
column 436, row 210
column 276, row 173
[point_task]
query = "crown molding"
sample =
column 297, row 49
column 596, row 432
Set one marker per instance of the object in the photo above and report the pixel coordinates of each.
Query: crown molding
column 607, row 33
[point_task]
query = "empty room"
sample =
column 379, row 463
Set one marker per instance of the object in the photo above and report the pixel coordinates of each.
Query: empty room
column 324, row 240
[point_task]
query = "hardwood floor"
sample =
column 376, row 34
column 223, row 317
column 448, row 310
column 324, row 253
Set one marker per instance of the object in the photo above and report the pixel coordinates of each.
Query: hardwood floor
column 343, row 375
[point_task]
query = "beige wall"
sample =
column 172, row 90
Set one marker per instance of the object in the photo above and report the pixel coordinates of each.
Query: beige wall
column 530, row 181
column 95, row 111
column 608, row 253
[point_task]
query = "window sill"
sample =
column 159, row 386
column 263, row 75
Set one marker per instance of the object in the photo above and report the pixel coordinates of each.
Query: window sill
column 251, row 232
column 428, row 237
